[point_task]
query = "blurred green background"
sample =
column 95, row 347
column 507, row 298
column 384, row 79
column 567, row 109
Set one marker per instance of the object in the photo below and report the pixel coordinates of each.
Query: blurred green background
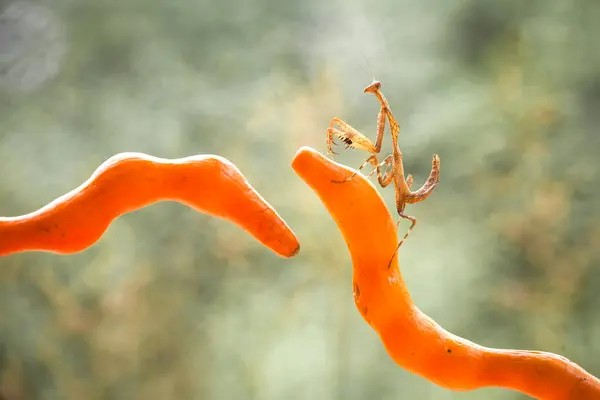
column 171, row 304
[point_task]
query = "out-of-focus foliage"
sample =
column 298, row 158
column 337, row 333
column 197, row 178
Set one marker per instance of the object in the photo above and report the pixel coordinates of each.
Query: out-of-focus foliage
column 173, row 304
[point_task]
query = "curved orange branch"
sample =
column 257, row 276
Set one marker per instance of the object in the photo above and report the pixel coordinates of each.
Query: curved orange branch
column 412, row 339
column 129, row 181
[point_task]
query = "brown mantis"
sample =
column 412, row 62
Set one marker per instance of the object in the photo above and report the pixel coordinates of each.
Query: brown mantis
column 394, row 167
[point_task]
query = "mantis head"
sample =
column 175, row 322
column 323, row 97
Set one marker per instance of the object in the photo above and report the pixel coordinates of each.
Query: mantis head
column 373, row 87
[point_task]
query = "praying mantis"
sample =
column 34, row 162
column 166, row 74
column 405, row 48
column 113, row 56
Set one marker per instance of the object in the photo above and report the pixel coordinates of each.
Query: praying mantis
column 394, row 172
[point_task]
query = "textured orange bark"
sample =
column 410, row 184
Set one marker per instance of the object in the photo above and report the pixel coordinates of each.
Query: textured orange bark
column 129, row 181
column 412, row 339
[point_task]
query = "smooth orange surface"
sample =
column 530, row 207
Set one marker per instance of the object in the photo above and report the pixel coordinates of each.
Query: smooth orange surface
column 129, row 181
column 412, row 339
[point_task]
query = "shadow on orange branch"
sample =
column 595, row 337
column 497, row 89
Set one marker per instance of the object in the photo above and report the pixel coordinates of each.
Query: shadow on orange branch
column 412, row 339
column 129, row 181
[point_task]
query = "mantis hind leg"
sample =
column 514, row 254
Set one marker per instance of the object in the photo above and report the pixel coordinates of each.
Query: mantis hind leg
column 413, row 221
column 384, row 180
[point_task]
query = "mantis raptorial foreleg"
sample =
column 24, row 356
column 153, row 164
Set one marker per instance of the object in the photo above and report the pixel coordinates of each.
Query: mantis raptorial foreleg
column 350, row 136
column 353, row 138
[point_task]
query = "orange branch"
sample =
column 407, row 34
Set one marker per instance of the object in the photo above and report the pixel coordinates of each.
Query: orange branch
column 412, row 339
column 129, row 181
